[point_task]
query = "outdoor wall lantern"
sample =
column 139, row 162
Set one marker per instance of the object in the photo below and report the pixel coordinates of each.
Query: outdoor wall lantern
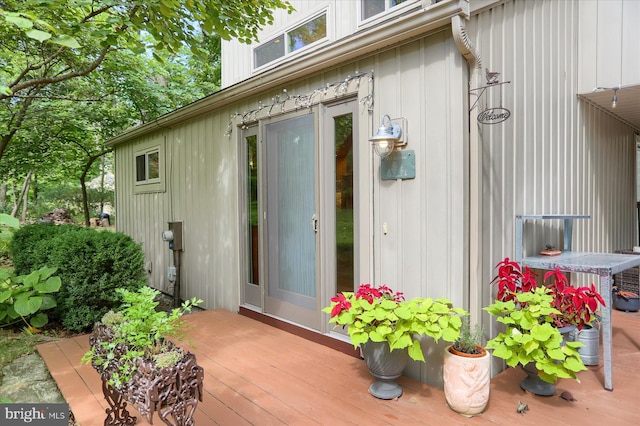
column 614, row 100
column 388, row 137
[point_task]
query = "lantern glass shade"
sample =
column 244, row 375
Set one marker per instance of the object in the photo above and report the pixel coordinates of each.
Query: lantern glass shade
column 385, row 140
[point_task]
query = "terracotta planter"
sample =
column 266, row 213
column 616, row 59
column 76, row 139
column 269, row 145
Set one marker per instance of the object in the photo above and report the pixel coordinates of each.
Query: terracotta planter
column 172, row 392
column 386, row 366
column 466, row 380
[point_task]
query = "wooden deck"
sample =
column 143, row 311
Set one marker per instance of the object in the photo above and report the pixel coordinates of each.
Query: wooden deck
column 256, row 374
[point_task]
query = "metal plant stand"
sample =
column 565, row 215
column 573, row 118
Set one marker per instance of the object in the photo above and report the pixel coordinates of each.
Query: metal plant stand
column 605, row 265
column 172, row 392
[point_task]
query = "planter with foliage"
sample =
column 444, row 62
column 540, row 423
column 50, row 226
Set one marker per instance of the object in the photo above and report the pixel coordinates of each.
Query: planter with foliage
column 137, row 364
column 531, row 337
column 467, row 372
column 379, row 315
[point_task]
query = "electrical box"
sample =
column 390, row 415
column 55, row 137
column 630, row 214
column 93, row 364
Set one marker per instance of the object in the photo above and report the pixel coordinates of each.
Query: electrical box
column 174, row 236
column 171, row 274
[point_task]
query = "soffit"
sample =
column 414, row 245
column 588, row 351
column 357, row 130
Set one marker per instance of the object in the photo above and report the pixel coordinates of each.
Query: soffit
column 628, row 105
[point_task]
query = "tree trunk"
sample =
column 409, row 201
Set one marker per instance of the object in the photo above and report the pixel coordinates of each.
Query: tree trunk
column 83, row 186
column 3, row 196
column 25, row 203
column 22, row 195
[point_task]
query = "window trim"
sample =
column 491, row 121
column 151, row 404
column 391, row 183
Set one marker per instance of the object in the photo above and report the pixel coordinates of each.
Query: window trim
column 146, row 154
column 388, row 12
column 284, row 34
column 154, row 184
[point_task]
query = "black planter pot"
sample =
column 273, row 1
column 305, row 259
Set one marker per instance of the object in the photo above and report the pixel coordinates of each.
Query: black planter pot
column 534, row 384
column 386, row 366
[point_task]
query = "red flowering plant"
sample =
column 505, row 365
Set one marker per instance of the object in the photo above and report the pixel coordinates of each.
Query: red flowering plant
column 577, row 305
column 379, row 314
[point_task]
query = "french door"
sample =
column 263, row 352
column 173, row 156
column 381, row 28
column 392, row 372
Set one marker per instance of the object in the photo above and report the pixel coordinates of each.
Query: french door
column 300, row 238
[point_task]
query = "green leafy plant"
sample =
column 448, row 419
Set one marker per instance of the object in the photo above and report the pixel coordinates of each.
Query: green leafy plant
column 379, row 314
column 7, row 224
column 25, row 297
column 470, row 339
column 138, row 330
column 530, row 335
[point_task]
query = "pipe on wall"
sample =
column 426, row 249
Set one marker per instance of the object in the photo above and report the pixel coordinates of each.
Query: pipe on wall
column 465, row 47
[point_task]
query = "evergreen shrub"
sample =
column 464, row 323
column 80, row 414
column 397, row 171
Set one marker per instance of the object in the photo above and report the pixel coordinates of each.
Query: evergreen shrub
column 24, row 244
column 91, row 265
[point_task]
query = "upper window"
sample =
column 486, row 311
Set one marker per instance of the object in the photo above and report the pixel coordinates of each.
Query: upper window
column 371, row 8
column 148, row 166
column 294, row 39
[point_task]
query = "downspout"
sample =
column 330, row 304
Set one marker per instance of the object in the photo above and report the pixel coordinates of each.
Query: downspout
column 461, row 39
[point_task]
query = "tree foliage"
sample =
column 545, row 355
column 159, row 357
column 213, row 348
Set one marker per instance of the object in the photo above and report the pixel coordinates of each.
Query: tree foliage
column 75, row 72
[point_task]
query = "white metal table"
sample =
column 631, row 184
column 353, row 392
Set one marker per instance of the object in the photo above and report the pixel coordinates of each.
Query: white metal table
column 603, row 264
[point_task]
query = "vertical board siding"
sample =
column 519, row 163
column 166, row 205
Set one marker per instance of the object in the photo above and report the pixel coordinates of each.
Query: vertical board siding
column 424, row 252
column 238, row 57
column 609, row 51
column 556, row 154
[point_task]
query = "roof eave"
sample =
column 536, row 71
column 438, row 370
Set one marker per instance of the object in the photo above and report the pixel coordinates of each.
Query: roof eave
column 413, row 24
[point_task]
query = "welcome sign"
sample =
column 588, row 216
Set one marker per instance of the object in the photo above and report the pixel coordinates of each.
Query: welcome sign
column 493, row 115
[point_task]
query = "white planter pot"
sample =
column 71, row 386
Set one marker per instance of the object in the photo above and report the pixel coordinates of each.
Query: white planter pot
column 466, row 382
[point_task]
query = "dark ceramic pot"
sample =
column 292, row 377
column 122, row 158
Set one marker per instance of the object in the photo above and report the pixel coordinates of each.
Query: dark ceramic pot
column 386, row 366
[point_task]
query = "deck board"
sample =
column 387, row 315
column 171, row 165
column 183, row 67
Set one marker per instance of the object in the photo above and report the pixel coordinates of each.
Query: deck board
column 256, row 374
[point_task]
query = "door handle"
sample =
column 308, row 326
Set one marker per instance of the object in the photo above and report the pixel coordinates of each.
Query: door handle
column 314, row 223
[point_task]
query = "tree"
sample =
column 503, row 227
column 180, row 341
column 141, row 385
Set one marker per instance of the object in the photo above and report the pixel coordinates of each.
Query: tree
column 46, row 43
column 75, row 72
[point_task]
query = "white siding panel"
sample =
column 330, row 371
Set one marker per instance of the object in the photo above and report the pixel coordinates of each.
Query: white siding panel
column 609, row 43
column 201, row 193
column 630, row 42
column 424, row 252
column 556, row 154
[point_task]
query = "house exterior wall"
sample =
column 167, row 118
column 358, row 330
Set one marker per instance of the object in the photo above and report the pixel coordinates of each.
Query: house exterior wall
column 556, row 154
column 423, row 250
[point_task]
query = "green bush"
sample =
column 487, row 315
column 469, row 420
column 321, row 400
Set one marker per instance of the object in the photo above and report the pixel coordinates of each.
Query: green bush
column 24, row 243
column 91, row 265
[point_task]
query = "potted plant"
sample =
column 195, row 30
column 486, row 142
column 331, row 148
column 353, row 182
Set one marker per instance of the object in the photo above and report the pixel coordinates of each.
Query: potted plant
column 383, row 324
column 467, row 372
column 137, row 362
column 577, row 305
column 531, row 338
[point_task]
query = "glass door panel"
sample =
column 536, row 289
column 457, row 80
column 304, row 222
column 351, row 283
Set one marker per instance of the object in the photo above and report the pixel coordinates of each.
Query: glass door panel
column 291, row 219
column 250, row 175
column 343, row 141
